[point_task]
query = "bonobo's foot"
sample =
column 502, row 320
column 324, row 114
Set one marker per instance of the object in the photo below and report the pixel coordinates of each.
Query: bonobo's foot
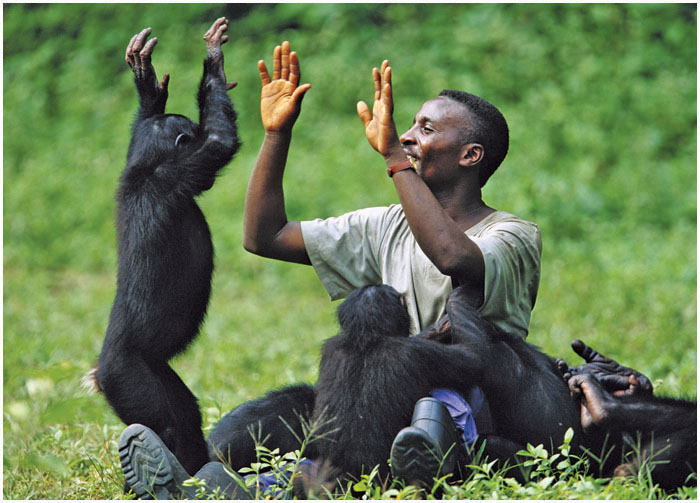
column 427, row 448
column 150, row 469
column 615, row 378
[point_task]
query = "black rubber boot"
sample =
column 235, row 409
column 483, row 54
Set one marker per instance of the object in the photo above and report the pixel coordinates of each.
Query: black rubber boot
column 150, row 469
column 428, row 447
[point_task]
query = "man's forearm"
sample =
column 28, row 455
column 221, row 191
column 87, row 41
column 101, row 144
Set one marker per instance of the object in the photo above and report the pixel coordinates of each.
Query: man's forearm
column 438, row 235
column 264, row 214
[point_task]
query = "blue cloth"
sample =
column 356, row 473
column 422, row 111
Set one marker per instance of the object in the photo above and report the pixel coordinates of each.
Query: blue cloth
column 466, row 413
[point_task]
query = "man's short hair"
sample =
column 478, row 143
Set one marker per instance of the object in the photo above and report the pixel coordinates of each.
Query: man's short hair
column 489, row 128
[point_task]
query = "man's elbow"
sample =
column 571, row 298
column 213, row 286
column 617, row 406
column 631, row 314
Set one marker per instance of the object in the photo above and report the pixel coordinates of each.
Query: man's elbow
column 254, row 246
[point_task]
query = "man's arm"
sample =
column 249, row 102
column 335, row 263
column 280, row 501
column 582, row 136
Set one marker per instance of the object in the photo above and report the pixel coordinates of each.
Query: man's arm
column 266, row 230
column 438, row 235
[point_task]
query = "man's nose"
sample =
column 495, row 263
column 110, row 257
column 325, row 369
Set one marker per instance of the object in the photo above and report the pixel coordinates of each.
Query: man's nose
column 407, row 138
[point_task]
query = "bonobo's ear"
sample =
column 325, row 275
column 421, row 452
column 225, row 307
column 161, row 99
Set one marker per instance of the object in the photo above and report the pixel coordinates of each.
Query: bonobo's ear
column 182, row 139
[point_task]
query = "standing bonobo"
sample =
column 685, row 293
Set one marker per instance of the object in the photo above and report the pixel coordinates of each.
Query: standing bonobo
column 165, row 249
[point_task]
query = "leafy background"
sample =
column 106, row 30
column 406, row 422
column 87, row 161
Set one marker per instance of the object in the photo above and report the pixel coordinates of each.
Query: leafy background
column 601, row 102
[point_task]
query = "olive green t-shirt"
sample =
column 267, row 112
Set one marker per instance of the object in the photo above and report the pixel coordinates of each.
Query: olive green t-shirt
column 376, row 245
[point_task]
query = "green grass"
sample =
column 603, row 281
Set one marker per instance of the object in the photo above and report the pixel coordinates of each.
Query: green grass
column 601, row 102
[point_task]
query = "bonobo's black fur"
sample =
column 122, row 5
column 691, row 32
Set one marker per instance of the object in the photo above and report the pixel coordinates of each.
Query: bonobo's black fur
column 371, row 376
column 165, row 253
column 528, row 399
column 275, row 420
column 531, row 403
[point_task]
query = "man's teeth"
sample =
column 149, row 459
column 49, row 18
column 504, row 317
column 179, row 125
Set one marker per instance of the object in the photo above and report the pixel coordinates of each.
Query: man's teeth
column 413, row 161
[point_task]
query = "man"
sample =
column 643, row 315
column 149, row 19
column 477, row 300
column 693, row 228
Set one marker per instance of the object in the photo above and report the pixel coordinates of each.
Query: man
column 441, row 235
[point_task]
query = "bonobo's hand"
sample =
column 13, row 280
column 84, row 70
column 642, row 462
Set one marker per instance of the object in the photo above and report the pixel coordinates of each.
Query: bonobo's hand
column 440, row 331
column 138, row 56
column 379, row 123
column 597, row 405
column 214, row 37
column 281, row 96
column 615, row 378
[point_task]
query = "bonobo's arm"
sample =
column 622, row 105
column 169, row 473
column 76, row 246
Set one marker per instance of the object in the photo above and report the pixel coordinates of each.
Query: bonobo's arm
column 152, row 94
column 217, row 118
column 614, row 377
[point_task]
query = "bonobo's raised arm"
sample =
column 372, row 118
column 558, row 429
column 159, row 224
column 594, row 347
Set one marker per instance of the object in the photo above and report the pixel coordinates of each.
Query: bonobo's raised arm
column 180, row 156
column 615, row 378
column 216, row 115
column 152, row 94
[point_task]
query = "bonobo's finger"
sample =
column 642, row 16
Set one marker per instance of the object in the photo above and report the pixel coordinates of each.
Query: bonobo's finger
column 164, row 82
column 264, row 76
column 364, row 113
column 562, row 367
column 224, row 39
column 148, row 48
column 214, row 27
column 129, row 49
column 231, row 85
column 140, row 40
column 586, row 352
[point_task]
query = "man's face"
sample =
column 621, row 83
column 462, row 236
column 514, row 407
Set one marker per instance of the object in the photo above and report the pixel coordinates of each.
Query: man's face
column 436, row 139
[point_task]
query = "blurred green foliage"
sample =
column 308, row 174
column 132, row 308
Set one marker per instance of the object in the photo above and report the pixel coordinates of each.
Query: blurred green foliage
column 601, row 102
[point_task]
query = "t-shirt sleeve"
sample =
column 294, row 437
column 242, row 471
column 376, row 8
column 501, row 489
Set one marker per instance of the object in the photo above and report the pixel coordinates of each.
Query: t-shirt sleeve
column 344, row 250
column 512, row 251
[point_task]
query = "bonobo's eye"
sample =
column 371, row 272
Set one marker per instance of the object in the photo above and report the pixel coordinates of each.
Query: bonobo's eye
column 182, row 139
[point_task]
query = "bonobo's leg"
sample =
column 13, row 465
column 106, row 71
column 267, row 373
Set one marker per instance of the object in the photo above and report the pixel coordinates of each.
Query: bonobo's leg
column 614, row 377
column 152, row 94
column 232, row 439
column 667, row 428
column 152, row 394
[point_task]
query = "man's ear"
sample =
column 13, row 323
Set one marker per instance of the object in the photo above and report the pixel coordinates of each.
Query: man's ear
column 472, row 154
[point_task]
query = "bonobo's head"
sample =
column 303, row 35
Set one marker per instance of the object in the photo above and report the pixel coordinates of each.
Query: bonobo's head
column 160, row 137
column 454, row 131
column 373, row 311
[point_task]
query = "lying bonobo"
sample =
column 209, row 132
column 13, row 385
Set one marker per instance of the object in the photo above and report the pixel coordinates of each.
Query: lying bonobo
column 618, row 401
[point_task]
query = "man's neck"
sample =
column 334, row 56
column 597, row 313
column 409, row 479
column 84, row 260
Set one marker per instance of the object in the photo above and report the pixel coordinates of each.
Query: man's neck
column 466, row 208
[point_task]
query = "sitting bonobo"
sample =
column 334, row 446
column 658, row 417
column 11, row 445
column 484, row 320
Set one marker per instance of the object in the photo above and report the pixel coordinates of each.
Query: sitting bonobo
column 165, row 249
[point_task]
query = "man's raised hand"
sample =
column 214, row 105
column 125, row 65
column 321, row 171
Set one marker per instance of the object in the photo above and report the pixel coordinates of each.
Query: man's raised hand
column 379, row 123
column 281, row 95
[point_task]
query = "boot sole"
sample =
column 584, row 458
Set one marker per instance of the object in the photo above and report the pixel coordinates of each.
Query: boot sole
column 412, row 458
column 146, row 465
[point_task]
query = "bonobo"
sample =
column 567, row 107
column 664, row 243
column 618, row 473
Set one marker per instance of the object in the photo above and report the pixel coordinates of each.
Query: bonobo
column 165, row 249
column 529, row 401
column 372, row 374
column 618, row 401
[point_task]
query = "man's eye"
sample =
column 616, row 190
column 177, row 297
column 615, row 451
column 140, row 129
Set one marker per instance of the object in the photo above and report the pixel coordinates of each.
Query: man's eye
column 426, row 130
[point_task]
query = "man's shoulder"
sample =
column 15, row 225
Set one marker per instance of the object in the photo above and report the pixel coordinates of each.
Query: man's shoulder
column 504, row 223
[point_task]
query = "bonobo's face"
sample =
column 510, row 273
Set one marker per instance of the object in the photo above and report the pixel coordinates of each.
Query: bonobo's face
column 436, row 140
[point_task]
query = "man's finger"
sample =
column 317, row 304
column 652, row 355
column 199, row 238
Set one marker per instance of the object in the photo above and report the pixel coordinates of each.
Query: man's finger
column 299, row 93
column 264, row 76
column 276, row 62
column 294, row 70
column 377, row 84
column 285, row 61
column 364, row 113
